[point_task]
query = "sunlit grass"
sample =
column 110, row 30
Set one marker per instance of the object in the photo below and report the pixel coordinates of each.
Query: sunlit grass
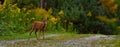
column 69, row 36
column 16, row 36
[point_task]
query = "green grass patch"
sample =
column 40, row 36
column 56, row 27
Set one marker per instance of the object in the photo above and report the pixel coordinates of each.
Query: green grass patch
column 26, row 35
column 117, row 41
column 16, row 36
column 68, row 36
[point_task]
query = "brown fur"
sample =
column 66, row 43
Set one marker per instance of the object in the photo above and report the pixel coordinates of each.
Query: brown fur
column 39, row 26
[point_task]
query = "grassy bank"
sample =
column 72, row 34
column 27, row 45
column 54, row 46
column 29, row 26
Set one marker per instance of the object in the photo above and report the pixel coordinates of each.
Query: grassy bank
column 26, row 35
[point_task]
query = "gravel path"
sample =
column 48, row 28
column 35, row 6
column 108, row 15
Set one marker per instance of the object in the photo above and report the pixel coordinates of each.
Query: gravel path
column 3, row 43
column 91, row 41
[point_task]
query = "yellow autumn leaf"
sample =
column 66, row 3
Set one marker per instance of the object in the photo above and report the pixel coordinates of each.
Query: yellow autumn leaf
column 89, row 14
column 61, row 12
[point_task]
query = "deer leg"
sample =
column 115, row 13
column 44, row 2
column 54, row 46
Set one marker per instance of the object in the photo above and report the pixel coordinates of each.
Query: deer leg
column 31, row 32
column 43, row 35
column 36, row 35
column 39, row 34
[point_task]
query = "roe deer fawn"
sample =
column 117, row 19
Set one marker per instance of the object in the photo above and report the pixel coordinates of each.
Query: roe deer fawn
column 39, row 26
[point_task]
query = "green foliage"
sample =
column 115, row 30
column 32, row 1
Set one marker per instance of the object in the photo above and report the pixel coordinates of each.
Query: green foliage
column 83, row 16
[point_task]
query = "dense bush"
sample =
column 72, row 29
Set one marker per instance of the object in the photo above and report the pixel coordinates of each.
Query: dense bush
column 83, row 16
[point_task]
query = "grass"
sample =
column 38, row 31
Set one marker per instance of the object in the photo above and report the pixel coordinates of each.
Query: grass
column 117, row 42
column 16, row 36
column 69, row 36
column 26, row 35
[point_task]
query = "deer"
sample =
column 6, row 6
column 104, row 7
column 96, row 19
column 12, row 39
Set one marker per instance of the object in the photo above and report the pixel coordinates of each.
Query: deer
column 39, row 26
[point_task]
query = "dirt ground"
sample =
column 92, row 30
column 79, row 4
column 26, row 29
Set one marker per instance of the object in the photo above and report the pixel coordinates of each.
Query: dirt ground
column 90, row 41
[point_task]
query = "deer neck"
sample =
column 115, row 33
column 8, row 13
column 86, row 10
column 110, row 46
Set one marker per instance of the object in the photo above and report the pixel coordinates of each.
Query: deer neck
column 45, row 22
